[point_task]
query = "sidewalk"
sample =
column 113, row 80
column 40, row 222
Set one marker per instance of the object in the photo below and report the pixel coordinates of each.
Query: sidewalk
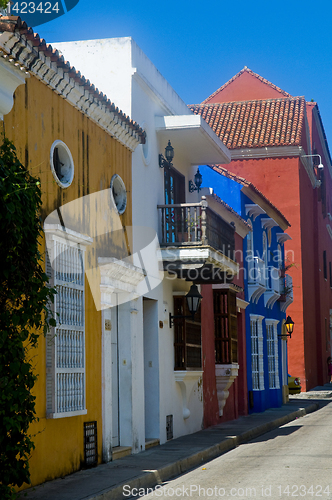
column 155, row 465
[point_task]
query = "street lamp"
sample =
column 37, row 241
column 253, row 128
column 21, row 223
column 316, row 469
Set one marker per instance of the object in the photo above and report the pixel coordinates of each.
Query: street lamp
column 320, row 159
column 289, row 324
column 196, row 185
column 169, row 153
column 193, row 298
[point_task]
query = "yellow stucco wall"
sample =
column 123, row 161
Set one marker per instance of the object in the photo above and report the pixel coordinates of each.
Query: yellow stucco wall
column 38, row 118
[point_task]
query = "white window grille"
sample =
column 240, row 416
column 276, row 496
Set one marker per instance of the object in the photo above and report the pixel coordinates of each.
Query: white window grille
column 65, row 344
column 257, row 362
column 272, row 353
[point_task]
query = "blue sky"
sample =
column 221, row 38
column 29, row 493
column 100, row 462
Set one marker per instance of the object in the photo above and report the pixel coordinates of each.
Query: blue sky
column 198, row 46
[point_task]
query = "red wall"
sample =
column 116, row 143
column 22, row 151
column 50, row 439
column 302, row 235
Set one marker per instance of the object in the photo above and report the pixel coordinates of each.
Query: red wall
column 286, row 184
column 237, row 401
column 245, row 87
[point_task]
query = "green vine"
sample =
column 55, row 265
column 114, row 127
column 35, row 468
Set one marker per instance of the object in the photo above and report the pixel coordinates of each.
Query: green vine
column 24, row 296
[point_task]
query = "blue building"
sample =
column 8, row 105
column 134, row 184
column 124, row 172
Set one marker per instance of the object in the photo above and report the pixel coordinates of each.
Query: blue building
column 268, row 289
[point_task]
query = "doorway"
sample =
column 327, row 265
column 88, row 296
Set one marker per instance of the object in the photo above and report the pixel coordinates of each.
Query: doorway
column 151, row 368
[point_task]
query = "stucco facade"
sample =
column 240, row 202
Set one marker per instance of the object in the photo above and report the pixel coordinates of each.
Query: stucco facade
column 168, row 390
column 271, row 153
column 75, row 160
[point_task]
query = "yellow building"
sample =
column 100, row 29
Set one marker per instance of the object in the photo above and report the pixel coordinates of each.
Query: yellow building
column 80, row 145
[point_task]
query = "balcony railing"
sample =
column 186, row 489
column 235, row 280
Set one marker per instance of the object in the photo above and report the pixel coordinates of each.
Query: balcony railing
column 195, row 224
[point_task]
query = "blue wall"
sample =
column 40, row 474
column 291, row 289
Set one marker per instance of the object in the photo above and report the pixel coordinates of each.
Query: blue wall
column 230, row 192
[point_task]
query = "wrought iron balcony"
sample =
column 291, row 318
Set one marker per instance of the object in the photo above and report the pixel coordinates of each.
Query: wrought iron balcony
column 256, row 278
column 272, row 292
column 193, row 233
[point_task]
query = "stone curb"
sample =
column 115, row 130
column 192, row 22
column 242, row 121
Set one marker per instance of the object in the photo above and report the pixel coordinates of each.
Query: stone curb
column 151, row 479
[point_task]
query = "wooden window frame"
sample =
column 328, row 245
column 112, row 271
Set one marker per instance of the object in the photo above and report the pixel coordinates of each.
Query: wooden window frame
column 225, row 326
column 187, row 337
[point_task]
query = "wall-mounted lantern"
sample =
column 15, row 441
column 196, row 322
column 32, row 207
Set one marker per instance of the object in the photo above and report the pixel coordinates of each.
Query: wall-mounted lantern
column 193, row 298
column 289, row 324
column 196, row 185
column 169, row 154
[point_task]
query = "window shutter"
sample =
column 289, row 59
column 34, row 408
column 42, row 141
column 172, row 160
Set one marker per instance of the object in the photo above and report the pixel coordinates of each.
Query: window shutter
column 225, row 326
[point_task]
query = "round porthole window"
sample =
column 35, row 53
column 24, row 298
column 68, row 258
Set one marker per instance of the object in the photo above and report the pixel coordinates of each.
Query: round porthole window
column 62, row 164
column 119, row 193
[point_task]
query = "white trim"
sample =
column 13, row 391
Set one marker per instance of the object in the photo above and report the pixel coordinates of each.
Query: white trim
column 254, row 210
column 260, row 349
column 191, row 135
column 274, row 323
column 11, row 77
column 59, row 81
column 121, row 196
column 68, row 163
column 241, row 304
column 66, row 414
column 187, row 379
column 65, row 344
column 56, row 230
column 268, row 223
column 282, row 237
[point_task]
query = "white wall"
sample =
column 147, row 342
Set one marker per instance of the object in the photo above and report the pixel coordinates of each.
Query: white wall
column 120, row 69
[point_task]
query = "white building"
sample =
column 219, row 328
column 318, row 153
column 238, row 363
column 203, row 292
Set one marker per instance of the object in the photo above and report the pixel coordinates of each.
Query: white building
column 152, row 390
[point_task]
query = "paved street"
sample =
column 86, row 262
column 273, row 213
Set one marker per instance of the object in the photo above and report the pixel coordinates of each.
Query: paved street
column 292, row 461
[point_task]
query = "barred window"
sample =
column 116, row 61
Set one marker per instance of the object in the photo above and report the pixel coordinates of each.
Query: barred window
column 187, row 337
column 272, row 353
column 257, row 364
column 65, row 344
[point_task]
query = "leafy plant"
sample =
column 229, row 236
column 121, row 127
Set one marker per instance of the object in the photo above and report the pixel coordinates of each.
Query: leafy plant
column 3, row 6
column 24, row 296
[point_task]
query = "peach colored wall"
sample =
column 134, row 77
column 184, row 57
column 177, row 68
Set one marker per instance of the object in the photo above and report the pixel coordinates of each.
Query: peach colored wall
column 245, row 88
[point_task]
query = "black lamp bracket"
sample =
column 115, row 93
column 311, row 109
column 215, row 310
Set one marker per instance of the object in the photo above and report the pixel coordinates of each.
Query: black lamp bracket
column 193, row 187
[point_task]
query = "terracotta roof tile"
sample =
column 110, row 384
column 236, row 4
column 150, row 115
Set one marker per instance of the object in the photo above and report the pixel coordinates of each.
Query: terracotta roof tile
column 14, row 24
column 247, row 70
column 255, row 124
column 230, row 175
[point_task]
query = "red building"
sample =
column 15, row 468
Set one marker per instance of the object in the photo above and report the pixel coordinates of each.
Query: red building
column 270, row 133
column 232, row 379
